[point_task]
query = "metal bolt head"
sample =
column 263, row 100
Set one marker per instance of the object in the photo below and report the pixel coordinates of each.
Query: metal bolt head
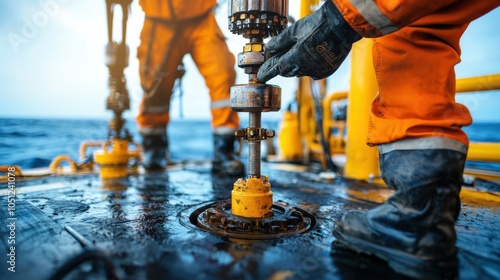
column 253, row 47
column 240, row 133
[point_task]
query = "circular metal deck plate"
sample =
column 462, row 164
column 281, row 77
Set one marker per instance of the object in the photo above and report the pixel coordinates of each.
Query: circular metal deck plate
column 216, row 217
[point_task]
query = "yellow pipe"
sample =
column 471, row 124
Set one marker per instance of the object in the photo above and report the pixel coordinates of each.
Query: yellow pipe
column 327, row 111
column 483, row 174
column 467, row 195
column 478, row 83
column 305, row 7
column 8, row 168
column 55, row 164
column 307, row 121
column 85, row 144
column 484, row 152
column 361, row 160
column 471, row 196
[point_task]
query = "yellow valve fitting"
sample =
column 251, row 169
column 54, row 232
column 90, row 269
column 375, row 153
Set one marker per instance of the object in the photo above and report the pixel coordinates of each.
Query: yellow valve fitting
column 55, row 164
column 113, row 164
column 252, row 198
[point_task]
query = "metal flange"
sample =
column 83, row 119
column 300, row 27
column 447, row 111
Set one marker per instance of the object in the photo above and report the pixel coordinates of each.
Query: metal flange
column 251, row 61
column 216, row 217
column 255, row 98
column 261, row 18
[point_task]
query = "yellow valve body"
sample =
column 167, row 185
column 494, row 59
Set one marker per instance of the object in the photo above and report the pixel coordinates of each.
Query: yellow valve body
column 290, row 147
column 252, row 198
column 113, row 164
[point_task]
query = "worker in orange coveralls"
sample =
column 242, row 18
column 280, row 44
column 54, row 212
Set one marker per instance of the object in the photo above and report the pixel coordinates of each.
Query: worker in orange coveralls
column 414, row 119
column 172, row 29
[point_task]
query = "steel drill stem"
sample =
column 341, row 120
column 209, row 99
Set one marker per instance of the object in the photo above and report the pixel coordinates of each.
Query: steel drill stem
column 254, row 122
column 256, row 40
column 254, row 147
column 252, row 78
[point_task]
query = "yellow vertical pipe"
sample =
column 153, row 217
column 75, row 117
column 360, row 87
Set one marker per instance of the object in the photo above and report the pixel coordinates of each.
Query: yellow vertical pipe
column 361, row 160
column 305, row 8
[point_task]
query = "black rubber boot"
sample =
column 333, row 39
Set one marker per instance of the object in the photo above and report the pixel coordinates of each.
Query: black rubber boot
column 414, row 229
column 225, row 162
column 155, row 152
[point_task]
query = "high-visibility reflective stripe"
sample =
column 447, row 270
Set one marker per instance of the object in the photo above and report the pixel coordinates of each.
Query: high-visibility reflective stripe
column 224, row 130
column 219, row 104
column 369, row 10
column 152, row 131
column 156, row 109
column 428, row 143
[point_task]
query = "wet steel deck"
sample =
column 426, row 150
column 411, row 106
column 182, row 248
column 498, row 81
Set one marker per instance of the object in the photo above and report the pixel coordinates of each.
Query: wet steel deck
column 138, row 222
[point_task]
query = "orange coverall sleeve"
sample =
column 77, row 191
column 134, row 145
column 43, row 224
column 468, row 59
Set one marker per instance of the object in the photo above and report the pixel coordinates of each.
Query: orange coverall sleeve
column 375, row 18
column 415, row 50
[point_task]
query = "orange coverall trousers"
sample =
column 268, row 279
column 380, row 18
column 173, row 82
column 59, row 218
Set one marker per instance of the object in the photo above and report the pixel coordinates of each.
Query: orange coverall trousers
column 414, row 64
column 202, row 38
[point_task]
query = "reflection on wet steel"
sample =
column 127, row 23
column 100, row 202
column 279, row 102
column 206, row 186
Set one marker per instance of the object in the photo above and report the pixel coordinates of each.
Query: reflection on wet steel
column 82, row 240
column 375, row 195
column 288, row 167
column 480, row 198
column 148, row 229
column 37, row 188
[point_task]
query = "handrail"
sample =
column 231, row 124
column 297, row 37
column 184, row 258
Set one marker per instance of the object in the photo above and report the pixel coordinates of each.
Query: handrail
column 484, row 151
column 478, row 83
column 478, row 151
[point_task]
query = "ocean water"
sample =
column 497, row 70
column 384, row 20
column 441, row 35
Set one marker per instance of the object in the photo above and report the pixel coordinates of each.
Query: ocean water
column 33, row 143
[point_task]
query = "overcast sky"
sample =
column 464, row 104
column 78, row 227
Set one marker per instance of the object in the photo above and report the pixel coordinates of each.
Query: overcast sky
column 52, row 62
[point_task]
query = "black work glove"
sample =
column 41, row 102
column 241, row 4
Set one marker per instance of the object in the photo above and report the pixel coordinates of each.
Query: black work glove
column 314, row 46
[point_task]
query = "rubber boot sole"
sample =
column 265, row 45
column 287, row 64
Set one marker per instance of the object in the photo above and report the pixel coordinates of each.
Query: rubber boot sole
column 401, row 262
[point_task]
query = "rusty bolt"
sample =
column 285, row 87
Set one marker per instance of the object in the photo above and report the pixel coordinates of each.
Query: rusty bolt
column 240, row 133
column 245, row 226
column 292, row 221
